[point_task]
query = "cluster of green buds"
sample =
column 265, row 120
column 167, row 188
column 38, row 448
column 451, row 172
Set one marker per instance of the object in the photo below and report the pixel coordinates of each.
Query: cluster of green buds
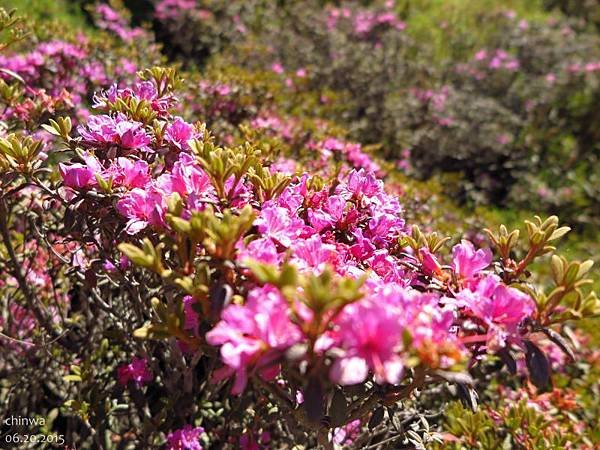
column 539, row 233
column 20, row 154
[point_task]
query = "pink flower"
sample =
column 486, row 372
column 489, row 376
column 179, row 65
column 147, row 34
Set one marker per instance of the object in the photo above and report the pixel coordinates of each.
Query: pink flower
column 186, row 438
column 130, row 133
column 129, row 173
column 278, row 224
column 346, row 434
column 254, row 335
column 172, row 9
column 370, row 335
column 179, row 132
column 430, row 264
column 467, row 262
column 76, row 175
column 501, row 308
column 142, row 207
column 313, row 255
column 361, row 183
column 119, row 130
column 262, row 250
column 382, row 227
column 277, row 67
column 136, row 371
column 188, row 180
column 330, row 215
column 480, row 55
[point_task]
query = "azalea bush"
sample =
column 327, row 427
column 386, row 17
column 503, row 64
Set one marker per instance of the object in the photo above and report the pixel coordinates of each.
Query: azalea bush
column 507, row 113
column 204, row 260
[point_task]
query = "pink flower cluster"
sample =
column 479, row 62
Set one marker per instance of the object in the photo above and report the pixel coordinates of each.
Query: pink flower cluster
column 589, row 67
column 254, row 335
column 352, row 152
column 351, row 226
column 105, row 131
column 186, row 438
column 485, row 62
column 146, row 205
column 56, row 75
column 364, row 21
column 111, row 20
column 139, row 91
column 276, row 125
column 172, row 9
column 436, row 101
column 136, row 371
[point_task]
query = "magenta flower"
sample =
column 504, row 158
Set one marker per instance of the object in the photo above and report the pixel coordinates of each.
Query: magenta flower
column 186, row 438
column 347, row 434
column 189, row 181
column 313, row 255
column 76, row 176
column 137, row 371
column 361, row 183
column 130, row 133
column 467, row 262
column 499, row 307
column 179, row 132
column 277, row 67
column 128, row 173
column 370, row 336
column 142, row 207
column 119, row 130
column 383, row 227
column 278, row 224
column 254, row 335
column 98, row 130
column 262, row 250
column 330, row 215
column 430, row 264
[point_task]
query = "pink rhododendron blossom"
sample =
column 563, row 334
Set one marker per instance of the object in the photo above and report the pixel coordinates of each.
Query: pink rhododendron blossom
column 313, row 255
column 142, row 207
column 370, row 335
column 262, row 250
column 499, row 307
column 119, row 130
column 467, row 262
column 129, row 173
column 186, row 438
column 277, row 67
column 179, row 132
column 189, row 181
column 254, row 335
column 431, row 266
column 330, row 215
column 137, row 371
column 362, row 184
column 278, row 224
column 347, row 434
column 172, row 9
column 76, row 175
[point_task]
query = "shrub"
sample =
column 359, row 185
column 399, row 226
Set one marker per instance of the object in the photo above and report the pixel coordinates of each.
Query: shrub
column 261, row 286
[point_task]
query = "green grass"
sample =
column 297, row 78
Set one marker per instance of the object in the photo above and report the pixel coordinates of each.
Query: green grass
column 67, row 12
column 456, row 27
